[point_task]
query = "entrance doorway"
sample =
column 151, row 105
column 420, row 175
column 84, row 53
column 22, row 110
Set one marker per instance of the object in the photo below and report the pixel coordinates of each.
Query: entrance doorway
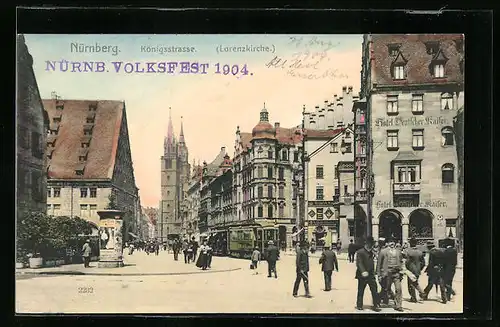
column 390, row 225
column 420, row 225
column 359, row 231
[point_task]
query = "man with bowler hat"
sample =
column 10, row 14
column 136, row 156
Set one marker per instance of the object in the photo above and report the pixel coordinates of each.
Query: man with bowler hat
column 365, row 274
column 328, row 262
column 415, row 263
column 302, row 269
column 272, row 255
column 390, row 271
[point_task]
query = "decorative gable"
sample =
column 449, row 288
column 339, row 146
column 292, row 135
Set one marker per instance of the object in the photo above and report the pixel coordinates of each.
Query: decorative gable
column 400, row 60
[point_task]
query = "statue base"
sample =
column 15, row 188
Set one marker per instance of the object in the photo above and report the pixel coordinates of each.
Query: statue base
column 110, row 264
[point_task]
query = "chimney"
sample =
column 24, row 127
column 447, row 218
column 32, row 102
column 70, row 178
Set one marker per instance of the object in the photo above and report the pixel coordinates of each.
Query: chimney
column 344, row 91
column 223, row 149
column 350, row 89
column 276, row 125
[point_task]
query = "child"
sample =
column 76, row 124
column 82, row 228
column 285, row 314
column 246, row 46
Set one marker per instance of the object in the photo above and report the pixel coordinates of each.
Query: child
column 255, row 259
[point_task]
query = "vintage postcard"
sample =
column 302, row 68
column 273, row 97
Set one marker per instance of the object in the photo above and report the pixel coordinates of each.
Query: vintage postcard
column 240, row 173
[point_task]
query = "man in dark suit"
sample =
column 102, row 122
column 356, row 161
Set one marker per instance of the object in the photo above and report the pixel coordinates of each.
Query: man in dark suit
column 272, row 255
column 365, row 274
column 434, row 270
column 351, row 249
column 302, row 269
column 415, row 263
column 328, row 261
column 450, row 266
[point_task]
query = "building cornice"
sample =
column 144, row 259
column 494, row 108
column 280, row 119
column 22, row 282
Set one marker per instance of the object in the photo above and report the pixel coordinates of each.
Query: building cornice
column 428, row 87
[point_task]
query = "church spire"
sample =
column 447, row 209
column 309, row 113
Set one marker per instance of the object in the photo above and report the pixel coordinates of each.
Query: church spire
column 170, row 131
column 181, row 136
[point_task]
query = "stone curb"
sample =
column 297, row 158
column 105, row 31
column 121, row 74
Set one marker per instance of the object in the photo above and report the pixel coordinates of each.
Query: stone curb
column 81, row 273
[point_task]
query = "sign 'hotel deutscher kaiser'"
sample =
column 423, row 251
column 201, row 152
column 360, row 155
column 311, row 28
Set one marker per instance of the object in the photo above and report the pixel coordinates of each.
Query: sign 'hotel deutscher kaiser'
column 412, row 121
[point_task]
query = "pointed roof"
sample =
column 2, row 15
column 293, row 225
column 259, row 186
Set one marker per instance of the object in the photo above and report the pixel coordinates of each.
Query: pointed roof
column 439, row 56
column 170, row 130
column 406, row 156
column 400, row 59
column 181, row 136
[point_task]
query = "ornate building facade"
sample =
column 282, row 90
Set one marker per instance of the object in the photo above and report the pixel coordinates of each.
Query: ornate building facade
column 265, row 183
column 175, row 170
column 32, row 124
column 412, row 87
column 192, row 203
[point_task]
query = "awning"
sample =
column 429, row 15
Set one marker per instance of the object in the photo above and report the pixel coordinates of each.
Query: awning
column 133, row 235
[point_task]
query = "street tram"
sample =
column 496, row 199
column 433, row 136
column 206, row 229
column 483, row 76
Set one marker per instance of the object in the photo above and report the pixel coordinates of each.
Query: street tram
column 244, row 239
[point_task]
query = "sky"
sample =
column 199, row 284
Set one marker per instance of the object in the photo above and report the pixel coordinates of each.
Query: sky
column 288, row 72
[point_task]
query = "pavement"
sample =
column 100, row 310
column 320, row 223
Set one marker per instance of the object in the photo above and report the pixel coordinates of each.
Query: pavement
column 134, row 265
column 236, row 291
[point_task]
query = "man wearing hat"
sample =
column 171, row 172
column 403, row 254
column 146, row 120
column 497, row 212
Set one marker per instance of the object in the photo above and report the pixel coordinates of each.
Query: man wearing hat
column 435, row 271
column 272, row 255
column 302, row 269
column 365, row 274
column 390, row 271
column 450, row 265
column 415, row 263
column 86, row 252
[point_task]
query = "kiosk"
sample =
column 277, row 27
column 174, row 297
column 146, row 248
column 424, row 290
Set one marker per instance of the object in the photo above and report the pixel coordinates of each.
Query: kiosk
column 110, row 239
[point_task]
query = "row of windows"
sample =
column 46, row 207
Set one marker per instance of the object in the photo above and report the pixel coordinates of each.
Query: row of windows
column 320, row 194
column 447, row 138
column 413, row 173
column 345, row 147
column 417, row 103
column 84, row 192
column 270, row 170
column 86, row 210
column 399, row 70
column 32, row 180
column 282, row 155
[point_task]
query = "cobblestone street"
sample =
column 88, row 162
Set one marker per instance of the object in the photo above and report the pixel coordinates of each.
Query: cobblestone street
column 186, row 290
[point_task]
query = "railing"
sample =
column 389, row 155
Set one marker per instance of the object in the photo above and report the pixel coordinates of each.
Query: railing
column 406, row 187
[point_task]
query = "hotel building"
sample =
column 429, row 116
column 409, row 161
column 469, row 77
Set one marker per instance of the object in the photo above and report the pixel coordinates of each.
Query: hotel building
column 411, row 89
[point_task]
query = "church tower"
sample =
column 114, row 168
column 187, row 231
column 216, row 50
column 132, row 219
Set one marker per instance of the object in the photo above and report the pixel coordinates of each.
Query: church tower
column 169, row 223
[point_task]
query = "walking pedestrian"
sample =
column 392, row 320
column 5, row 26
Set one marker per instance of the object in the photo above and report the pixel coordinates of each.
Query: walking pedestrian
column 195, row 248
column 302, row 269
column 157, row 248
column 203, row 257
column 435, row 272
column 86, row 253
column 176, row 247
column 415, row 263
column 351, row 249
column 272, row 255
column 450, row 266
column 255, row 259
column 390, row 271
column 365, row 274
column 339, row 247
column 185, row 246
column 328, row 262
column 384, row 294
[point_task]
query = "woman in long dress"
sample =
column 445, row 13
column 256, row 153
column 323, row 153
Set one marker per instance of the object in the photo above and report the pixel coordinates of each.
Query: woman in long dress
column 202, row 261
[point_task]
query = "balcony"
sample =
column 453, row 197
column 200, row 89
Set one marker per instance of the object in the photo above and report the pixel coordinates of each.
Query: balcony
column 361, row 196
column 406, row 188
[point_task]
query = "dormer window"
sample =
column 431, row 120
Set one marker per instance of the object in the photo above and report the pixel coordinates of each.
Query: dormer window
column 79, row 169
column 54, row 128
column 432, row 47
column 82, row 154
column 57, row 118
column 437, row 65
column 398, row 67
column 87, row 129
column 91, row 117
column 50, row 151
column 393, row 49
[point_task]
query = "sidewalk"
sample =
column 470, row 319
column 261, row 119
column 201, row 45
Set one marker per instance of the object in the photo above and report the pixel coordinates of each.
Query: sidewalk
column 138, row 264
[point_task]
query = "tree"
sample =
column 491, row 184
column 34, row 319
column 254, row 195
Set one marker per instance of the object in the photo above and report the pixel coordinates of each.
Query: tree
column 112, row 202
column 32, row 233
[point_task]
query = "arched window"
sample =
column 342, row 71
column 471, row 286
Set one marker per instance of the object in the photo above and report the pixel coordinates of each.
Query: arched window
column 448, row 173
column 260, row 211
column 447, row 136
column 270, row 211
column 446, row 101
